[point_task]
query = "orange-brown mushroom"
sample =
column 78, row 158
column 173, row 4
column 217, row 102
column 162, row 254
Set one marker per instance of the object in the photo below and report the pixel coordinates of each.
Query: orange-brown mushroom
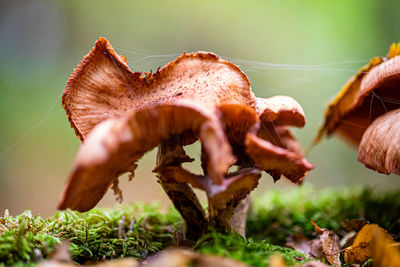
column 380, row 146
column 364, row 113
column 120, row 115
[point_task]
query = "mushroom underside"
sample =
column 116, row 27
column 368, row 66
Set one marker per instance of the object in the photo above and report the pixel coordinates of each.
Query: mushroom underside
column 380, row 145
column 384, row 98
column 365, row 113
column 115, row 145
column 367, row 95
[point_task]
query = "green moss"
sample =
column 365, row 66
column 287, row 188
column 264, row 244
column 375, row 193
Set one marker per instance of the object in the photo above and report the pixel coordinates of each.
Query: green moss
column 254, row 253
column 273, row 217
column 277, row 215
column 93, row 235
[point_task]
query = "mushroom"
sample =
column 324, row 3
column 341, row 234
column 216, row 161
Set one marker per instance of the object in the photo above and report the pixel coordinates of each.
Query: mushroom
column 120, row 115
column 366, row 113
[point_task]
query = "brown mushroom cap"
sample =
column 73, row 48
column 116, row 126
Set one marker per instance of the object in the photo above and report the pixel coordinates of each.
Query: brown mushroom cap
column 120, row 115
column 103, row 86
column 281, row 110
column 380, row 145
column 366, row 113
column 372, row 92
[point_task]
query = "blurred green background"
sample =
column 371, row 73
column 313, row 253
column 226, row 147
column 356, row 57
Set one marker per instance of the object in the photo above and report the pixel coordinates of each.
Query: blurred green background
column 304, row 49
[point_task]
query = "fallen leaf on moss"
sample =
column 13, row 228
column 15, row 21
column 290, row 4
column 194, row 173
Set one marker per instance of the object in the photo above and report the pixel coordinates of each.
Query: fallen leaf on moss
column 362, row 248
column 330, row 244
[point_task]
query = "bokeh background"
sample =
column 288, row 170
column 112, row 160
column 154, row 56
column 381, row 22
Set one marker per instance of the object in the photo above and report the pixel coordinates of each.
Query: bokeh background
column 304, row 49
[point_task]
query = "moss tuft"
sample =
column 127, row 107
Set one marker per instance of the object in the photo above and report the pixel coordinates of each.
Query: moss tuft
column 276, row 215
column 94, row 235
column 254, row 253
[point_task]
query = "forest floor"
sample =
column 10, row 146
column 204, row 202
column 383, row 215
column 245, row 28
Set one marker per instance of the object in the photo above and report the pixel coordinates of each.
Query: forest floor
column 277, row 220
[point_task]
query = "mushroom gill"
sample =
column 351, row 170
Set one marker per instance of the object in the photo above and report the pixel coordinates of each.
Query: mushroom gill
column 380, row 145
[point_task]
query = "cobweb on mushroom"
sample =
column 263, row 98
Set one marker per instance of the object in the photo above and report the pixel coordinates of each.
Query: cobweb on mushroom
column 300, row 81
column 285, row 79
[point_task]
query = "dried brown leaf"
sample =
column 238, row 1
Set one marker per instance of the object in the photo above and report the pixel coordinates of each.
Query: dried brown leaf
column 330, row 244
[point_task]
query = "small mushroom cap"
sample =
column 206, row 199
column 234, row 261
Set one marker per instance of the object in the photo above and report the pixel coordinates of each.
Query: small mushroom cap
column 281, row 110
column 372, row 92
column 380, row 145
column 276, row 151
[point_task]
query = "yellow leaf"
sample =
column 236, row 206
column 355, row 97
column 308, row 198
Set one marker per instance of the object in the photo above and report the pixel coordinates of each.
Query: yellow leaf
column 363, row 245
column 384, row 253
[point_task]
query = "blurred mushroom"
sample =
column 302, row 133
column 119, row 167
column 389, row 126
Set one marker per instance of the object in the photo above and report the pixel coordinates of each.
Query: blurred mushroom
column 366, row 113
column 120, row 115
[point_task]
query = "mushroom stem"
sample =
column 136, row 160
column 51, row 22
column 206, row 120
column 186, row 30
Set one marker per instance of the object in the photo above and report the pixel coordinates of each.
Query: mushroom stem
column 239, row 217
column 181, row 194
column 188, row 205
column 228, row 207
column 232, row 216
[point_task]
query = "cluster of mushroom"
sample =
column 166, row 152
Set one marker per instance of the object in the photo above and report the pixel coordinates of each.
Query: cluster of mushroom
column 366, row 113
column 120, row 115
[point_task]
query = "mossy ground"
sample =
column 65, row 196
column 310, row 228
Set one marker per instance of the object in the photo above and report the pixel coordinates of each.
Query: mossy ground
column 97, row 234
